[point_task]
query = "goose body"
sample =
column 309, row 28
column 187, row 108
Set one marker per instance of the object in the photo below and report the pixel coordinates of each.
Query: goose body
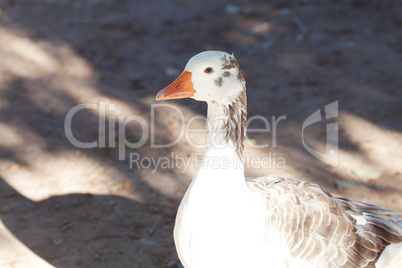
column 226, row 220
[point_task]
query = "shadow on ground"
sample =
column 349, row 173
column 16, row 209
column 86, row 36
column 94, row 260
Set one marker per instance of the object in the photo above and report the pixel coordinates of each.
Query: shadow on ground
column 85, row 207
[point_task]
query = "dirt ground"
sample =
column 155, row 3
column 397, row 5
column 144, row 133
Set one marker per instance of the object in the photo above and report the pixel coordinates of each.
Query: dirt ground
column 65, row 206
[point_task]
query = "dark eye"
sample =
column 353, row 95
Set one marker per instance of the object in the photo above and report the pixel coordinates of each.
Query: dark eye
column 208, row 70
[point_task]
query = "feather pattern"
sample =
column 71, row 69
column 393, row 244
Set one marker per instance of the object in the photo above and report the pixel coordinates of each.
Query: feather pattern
column 322, row 229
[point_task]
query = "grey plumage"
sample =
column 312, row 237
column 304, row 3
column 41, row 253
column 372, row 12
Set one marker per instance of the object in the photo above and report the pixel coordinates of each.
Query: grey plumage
column 323, row 229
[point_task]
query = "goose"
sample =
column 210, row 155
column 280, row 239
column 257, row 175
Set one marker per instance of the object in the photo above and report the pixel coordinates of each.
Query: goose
column 227, row 221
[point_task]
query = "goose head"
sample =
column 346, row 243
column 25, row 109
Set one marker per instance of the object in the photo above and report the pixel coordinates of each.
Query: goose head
column 210, row 76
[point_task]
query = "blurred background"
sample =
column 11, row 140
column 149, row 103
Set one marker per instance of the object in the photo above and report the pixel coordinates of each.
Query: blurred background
column 64, row 206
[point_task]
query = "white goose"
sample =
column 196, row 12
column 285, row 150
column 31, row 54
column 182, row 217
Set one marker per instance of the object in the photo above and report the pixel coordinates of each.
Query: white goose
column 227, row 221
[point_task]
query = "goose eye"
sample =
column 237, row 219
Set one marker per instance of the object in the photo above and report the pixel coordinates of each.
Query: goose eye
column 208, row 70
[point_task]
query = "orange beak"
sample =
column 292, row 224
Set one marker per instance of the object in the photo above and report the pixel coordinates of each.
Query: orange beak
column 180, row 88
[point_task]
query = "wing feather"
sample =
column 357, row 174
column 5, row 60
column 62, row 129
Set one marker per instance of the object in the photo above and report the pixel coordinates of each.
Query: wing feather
column 324, row 230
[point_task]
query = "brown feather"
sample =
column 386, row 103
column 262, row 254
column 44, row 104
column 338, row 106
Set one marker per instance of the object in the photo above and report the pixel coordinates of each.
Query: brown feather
column 320, row 229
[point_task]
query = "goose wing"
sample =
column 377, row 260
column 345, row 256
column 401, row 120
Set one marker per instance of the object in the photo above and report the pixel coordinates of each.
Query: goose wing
column 324, row 230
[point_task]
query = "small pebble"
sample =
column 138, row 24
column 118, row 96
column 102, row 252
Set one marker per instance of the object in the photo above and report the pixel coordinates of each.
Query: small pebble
column 151, row 231
column 232, row 9
column 172, row 71
column 267, row 45
column 57, row 241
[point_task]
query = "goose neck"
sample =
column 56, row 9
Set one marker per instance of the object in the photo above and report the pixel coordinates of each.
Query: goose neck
column 226, row 128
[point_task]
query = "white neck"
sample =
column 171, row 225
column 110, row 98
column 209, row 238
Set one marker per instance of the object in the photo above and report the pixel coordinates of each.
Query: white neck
column 223, row 161
column 220, row 146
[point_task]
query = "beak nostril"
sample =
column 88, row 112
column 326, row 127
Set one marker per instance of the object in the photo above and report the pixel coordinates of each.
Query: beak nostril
column 177, row 85
column 181, row 88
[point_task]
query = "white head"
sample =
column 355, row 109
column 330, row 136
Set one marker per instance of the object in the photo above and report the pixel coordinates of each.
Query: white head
column 211, row 76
